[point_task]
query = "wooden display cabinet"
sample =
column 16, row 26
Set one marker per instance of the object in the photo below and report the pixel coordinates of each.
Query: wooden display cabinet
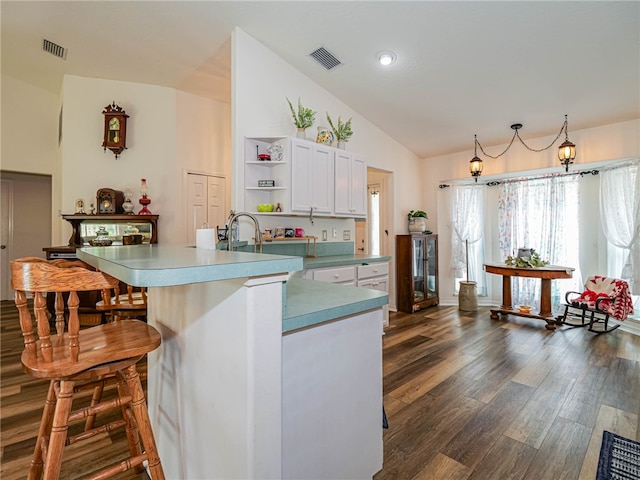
column 417, row 271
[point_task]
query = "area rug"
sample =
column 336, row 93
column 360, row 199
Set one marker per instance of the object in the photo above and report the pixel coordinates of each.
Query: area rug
column 619, row 458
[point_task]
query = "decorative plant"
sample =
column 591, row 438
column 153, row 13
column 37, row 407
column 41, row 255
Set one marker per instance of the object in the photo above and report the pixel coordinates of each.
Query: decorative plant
column 532, row 262
column 417, row 213
column 342, row 131
column 304, row 117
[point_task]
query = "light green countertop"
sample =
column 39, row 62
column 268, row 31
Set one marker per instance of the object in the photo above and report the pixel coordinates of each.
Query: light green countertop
column 310, row 302
column 307, row 302
column 168, row 265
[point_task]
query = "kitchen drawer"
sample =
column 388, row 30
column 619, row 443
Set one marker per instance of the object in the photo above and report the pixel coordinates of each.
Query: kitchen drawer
column 335, row 275
column 373, row 270
column 376, row 283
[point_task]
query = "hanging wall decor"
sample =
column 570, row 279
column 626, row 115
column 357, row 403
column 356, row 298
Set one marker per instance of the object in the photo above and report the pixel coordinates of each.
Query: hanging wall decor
column 115, row 129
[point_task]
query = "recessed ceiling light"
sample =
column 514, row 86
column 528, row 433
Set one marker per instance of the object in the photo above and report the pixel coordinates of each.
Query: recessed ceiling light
column 386, row 58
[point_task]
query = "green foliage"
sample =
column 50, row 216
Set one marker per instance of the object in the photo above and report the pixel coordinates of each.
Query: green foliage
column 304, row 117
column 533, row 262
column 417, row 213
column 343, row 131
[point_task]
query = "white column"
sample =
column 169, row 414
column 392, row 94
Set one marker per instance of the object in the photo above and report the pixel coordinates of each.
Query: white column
column 215, row 383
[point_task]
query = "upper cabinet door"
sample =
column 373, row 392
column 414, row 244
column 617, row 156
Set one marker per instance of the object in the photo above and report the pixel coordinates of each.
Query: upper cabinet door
column 351, row 185
column 322, row 180
column 311, row 177
column 301, row 161
column 358, row 186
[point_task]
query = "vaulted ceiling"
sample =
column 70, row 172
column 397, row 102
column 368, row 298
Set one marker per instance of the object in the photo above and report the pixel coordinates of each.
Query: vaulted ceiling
column 462, row 68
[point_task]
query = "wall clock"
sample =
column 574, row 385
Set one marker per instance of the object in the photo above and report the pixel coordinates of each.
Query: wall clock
column 109, row 201
column 115, row 129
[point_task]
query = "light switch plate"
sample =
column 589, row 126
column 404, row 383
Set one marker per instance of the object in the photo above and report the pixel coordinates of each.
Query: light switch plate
column 324, row 235
column 346, row 235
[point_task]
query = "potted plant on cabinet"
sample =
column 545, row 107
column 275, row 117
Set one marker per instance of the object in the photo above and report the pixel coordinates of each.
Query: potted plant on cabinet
column 303, row 118
column 417, row 221
column 342, row 132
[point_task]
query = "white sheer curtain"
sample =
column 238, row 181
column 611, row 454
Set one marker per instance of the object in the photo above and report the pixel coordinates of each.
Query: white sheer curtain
column 620, row 217
column 467, row 224
column 542, row 214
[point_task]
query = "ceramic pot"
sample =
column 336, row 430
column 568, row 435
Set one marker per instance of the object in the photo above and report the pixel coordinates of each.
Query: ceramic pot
column 417, row 224
column 325, row 136
column 341, row 144
column 301, row 133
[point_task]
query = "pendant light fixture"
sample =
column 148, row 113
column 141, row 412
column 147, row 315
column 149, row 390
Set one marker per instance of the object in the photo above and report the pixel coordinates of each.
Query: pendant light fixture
column 566, row 151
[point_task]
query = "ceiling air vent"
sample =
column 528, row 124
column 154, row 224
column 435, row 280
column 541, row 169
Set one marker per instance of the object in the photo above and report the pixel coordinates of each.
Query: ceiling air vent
column 325, row 58
column 54, row 49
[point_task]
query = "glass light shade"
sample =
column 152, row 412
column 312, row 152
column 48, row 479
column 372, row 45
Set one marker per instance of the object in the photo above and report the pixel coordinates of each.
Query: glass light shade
column 567, row 151
column 144, row 188
column 475, row 166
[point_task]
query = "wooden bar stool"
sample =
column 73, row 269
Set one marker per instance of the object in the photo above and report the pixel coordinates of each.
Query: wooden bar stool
column 126, row 305
column 75, row 359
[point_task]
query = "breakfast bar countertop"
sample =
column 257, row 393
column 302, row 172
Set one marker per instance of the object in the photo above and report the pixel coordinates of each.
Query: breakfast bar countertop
column 170, row 265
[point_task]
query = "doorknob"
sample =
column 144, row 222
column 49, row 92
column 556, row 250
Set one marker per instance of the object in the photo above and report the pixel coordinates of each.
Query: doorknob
column 2, row 247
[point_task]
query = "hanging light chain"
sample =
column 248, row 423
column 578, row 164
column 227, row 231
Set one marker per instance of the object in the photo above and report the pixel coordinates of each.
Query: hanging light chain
column 562, row 129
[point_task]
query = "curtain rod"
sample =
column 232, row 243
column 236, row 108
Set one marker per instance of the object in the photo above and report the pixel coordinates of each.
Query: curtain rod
column 582, row 173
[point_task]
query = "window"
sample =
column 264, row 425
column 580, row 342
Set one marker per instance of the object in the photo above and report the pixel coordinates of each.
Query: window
column 541, row 213
column 467, row 235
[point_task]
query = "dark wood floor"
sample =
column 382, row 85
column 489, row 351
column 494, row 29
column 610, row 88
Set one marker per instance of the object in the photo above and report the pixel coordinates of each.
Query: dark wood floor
column 466, row 397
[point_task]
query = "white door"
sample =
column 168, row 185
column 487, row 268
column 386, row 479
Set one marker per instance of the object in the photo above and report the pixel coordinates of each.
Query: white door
column 6, row 238
column 206, row 196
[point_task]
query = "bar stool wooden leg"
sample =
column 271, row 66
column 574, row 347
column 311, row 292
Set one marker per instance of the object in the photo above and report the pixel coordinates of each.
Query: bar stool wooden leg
column 139, row 406
column 37, row 462
column 95, row 399
column 131, row 429
column 59, row 428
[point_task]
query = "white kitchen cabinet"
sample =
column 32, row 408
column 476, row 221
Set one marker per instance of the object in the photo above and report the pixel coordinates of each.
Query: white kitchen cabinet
column 311, row 177
column 308, row 176
column 350, row 184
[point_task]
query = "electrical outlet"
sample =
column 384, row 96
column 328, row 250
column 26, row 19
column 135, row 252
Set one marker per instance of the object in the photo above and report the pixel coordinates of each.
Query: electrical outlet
column 346, row 235
column 334, row 232
column 324, row 235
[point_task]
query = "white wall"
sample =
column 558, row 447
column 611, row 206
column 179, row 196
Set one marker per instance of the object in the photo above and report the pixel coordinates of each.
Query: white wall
column 595, row 145
column 168, row 133
column 151, row 146
column 260, row 109
column 29, row 132
column 203, row 146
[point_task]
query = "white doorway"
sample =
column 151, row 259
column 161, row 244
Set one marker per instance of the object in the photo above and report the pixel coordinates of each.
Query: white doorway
column 6, row 236
column 373, row 236
column 206, row 203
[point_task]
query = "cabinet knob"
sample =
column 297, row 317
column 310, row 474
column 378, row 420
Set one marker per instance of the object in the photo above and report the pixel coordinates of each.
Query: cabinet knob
column 375, row 270
column 335, row 275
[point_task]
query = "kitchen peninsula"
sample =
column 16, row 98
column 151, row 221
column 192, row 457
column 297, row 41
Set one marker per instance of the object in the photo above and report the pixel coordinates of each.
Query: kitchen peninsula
column 261, row 374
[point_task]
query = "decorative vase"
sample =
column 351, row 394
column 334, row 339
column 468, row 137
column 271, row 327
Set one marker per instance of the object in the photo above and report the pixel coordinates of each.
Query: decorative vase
column 341, row 144
column 417, row 224
column 325, row 136
column 301, row 133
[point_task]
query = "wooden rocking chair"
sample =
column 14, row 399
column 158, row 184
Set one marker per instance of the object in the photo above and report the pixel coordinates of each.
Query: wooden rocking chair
column 602, row 298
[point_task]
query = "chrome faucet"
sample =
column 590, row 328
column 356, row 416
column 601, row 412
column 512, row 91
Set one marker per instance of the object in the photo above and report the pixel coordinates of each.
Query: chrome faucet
column 234, row 217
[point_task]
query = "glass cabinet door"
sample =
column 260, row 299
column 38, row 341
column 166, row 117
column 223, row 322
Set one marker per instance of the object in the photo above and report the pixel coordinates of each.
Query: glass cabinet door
column 431, row 290
column 418, row 269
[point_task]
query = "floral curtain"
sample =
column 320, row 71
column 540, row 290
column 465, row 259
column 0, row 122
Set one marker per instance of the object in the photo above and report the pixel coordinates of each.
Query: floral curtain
column 467, row 224
column 541, row 213
column 620, row 217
